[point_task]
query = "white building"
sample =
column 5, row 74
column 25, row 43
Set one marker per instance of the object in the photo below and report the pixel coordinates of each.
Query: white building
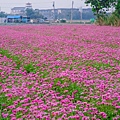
column 28, row 6
column 21, row 10
column 18, row 10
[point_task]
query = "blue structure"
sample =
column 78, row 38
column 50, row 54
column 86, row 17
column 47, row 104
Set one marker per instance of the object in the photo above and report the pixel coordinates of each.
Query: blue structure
column 25, row 19
column 16, row 18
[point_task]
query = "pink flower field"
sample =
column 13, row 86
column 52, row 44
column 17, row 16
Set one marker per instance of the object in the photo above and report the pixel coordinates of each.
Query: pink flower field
column 69, row 72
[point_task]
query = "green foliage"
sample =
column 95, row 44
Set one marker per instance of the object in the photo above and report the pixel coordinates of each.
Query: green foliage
column 99, row 5
column 19, row 114
column 95, row 64
column 100, row 65
column 3, row 100
column 117, row 7
column 33, row 14
column 40, row 95
column 71, row 68
column 56, row 66
column 71, row 88
column 5, row 53
column 30, row 68
column 7, row 102
column 112, row 20
column 44, row 74
column 108, row 109
column 3, row 14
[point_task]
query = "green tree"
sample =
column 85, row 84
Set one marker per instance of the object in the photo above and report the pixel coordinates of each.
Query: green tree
column 100, row 6
column 29, row 12
column 33, row 14
column 3, row 14
column 117, row 7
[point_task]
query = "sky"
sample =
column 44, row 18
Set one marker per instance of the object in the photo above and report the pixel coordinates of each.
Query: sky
column 6, row 5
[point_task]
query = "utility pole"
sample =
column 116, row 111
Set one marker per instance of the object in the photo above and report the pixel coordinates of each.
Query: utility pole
column 54, row 9
column 80, row 10
column 72, row 11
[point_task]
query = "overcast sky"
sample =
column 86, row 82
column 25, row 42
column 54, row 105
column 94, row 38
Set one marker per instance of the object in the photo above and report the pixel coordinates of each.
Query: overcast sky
column 6, row 5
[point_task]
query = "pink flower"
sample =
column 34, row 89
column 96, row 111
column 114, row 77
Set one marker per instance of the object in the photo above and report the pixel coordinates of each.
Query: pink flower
column 14, row 112
column 9, row 95
column 103, row 114
column 118, row 107
column 11, row 106
column 85, row 118
column 4, row 115
column 65, row 91
column 13, row 118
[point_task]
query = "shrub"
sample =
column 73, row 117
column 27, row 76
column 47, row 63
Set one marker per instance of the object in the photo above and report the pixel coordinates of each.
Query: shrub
column 112, row 20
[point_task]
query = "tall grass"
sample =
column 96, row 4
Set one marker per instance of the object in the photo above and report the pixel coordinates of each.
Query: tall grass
column 111, row 20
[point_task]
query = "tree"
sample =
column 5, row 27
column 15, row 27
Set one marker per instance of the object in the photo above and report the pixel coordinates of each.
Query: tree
column 100, row 6
column 117, row 7
column 29, row 12
column 33, row 14
column 3, row 14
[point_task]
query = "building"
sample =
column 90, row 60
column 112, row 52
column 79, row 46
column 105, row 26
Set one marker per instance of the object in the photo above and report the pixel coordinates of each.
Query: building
column 65, row 13
column 17, row 19
column 20, row 10
column 60, row 13
column 47, row 13
column 28, row 6
column 87, row 13
column 14, row 19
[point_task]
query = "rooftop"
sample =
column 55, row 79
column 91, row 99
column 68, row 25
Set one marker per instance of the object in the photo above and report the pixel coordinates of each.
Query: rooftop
column 28, row 3
column 13, row 17
column 18, row 8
